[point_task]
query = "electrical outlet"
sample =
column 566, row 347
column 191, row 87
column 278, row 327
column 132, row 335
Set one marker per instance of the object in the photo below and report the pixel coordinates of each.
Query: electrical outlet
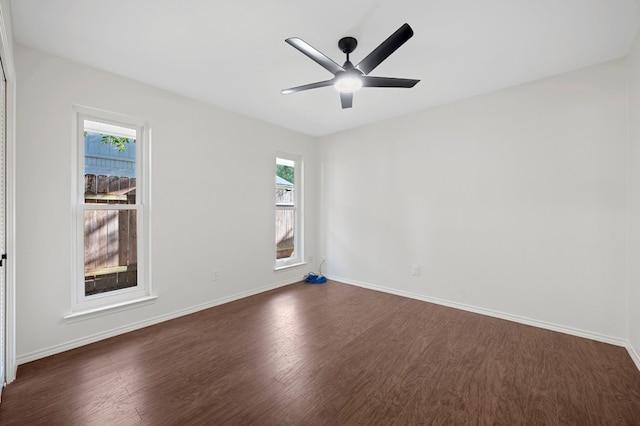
column 415, row 270
column 215, row 276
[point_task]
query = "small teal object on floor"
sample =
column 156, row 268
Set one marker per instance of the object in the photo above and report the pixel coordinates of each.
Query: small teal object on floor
column 315, row 279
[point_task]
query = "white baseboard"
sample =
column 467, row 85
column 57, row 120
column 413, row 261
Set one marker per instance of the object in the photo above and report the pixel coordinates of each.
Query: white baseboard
column 489, row 312
column 52, row 350
column 633, row 354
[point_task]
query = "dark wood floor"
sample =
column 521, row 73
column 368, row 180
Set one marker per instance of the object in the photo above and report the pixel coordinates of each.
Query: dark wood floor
column 330, row 354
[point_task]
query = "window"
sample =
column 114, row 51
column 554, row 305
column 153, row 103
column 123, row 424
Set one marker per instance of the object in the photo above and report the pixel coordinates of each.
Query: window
column 112, row 209
column 288, row 224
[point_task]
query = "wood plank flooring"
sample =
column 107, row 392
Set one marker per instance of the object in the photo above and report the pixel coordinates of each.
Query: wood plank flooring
column 330, row 354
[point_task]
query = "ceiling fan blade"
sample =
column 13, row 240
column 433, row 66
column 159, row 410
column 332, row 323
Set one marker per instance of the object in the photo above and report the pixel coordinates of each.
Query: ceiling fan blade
column 369, row 81
column 314, row 54
column 346, row 99
column 307, row 86
column 385, row 49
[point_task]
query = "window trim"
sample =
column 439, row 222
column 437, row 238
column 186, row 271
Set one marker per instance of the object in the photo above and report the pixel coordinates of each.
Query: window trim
column 80, row 303
column 298, row 208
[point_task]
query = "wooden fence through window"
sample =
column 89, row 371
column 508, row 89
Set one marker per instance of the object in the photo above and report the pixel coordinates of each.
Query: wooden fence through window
column 285, row 224
column 110, row 236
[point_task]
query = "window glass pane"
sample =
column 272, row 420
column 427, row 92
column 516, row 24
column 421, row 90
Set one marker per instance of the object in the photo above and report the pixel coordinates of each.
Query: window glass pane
column 109, row 163
column 285, row 180
column 285, row 196
column 285, row 230
column 110, row 250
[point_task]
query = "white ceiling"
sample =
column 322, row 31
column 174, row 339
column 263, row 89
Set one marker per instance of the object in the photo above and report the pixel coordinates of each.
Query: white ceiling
column 232, row 54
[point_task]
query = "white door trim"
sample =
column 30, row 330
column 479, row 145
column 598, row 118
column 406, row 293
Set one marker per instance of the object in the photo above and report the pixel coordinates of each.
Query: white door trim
column 6, row 55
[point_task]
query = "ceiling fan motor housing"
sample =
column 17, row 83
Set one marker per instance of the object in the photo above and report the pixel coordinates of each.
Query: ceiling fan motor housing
column 347, row 44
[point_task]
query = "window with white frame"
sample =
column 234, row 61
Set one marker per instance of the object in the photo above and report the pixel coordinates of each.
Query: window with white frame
column 288, row 217
column 112, row 210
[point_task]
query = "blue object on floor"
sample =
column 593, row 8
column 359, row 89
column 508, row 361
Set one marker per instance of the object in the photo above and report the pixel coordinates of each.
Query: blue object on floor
column 315, row 279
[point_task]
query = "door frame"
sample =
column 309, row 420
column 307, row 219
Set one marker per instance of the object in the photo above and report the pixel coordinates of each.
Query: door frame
column 6, row 55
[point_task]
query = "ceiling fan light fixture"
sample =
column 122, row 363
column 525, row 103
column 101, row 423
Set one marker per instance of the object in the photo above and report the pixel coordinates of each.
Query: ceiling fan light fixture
column 348, row 78
column 348, row 84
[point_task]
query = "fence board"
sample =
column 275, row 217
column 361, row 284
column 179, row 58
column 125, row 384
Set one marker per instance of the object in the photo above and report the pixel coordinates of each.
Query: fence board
column 90, row 240
column 112, row 242
column 90, row 184
column 123, row 236
column 102, row 237
column 132, row 254
column 114, row 184
column 102, row 184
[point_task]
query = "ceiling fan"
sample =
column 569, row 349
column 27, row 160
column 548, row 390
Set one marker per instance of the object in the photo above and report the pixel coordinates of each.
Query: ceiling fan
column 348, row 78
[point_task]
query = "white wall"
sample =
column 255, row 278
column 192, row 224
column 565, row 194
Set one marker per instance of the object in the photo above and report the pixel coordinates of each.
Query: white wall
column 212, row 200
column 512, row 202
column 634, row 200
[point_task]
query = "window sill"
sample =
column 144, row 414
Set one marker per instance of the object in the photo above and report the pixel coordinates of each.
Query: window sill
column 102, row 310
column 293, row 265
